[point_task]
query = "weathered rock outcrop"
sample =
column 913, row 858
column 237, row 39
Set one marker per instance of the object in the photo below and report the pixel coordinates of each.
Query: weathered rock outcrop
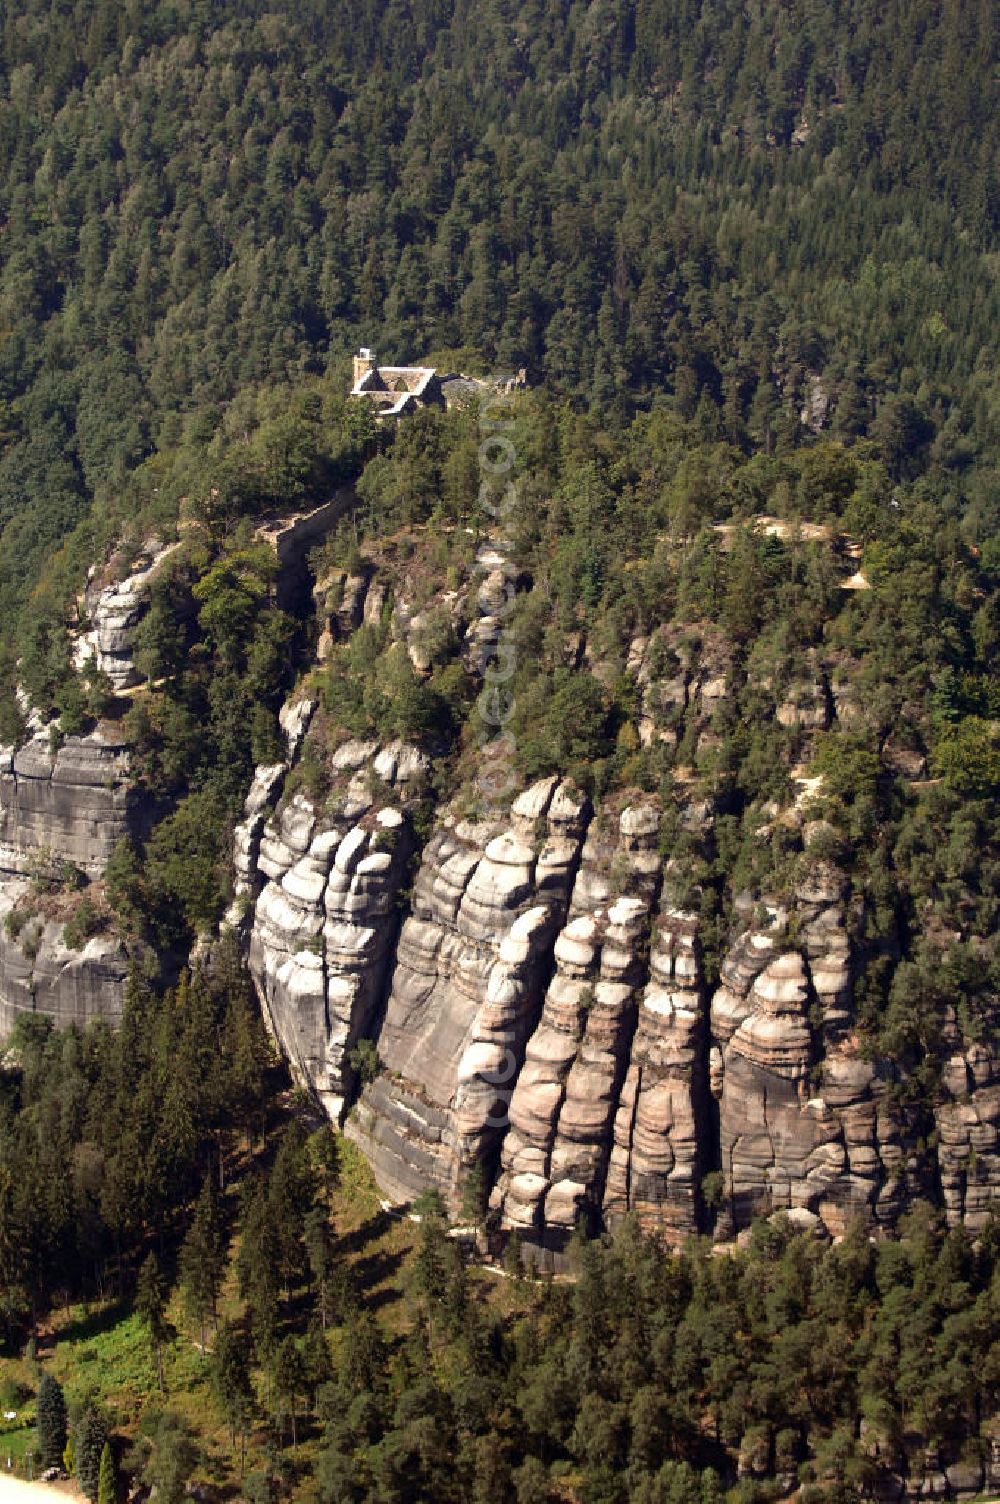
column 683, row 680
column 322, row 923
column 532, row 979
column 663, row 1140
column 555, row 1157
column 542, row 1011
column 968, row 1126
column 114, row 612
column 806, row 1121
column 39, row 973
column 466, row 987
column 64, row 809
column 71, row 805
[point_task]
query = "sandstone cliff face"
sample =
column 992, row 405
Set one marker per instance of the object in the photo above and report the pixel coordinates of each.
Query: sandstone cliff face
column 810, row 1121
column 968, row 1132
column 320, row 884
column 625, row 1086
column 68, row 806
column 465, row 990
column 555, row 1157
column 114, row 612
column 73, row 804
column 663, row 1132
column 543, row 1011
column 66, row 810
column 39, row 973
column 535, row 990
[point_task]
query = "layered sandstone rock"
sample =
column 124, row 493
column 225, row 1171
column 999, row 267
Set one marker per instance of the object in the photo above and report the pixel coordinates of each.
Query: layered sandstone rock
column 781, row 1145
column 322, row 925
column 541, row 1015
column 70, row 805
column 537, row 1007
column 62, row 812
column 466, row 988
column 555, row 1157
column 968, row 1123
column 662, row 1131
column 805, row 1122
column 39, row 973
column 683, row 679
column 114, row 612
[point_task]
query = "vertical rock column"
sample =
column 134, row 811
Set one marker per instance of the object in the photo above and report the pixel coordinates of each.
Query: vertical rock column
column 323, row 928
column 69, row 806
column 804, row 1120
column 466, row 989
column 968, row 1123
column 555, row 1157
column 661, row 1126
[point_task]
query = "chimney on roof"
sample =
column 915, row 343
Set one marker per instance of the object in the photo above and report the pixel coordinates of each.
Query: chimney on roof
column 364, row 362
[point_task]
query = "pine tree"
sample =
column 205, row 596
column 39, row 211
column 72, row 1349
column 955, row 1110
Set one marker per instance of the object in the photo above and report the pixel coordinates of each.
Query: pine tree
column 151, row 1304
column 320, row 1253
column 325, row 1153
column 317, row 1365
column 474, row 1192
column 290, row 1379
column 246, row 1054
column 107, row 1479
column 51, row 1422
column 430, row 1268
column 290, row 1193
column 203, row 1258
column 259, row 1251
column 90, row 1435
column 231, row 1381
column 513, row 1259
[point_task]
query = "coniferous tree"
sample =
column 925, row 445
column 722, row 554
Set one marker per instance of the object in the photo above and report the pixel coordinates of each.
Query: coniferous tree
column 90, row 1435
column 290, row 1192
column 107, row 1479
column 474, row 1193
column 319, row 1246
column 203, row 1257
column 51, row 1411
column 232, row 1383
column 151, row 1304
column 290, row 1380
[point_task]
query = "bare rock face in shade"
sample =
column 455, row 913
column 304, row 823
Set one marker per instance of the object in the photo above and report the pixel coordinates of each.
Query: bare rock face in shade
column 62, row 812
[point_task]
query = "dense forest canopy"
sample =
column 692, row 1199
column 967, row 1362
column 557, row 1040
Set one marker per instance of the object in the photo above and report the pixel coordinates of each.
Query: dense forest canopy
column 747, row 256
column 263, row 1367
column 749, row 213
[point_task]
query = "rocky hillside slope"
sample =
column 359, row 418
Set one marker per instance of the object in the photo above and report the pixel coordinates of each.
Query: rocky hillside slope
column 706, row 933
column 530, row 967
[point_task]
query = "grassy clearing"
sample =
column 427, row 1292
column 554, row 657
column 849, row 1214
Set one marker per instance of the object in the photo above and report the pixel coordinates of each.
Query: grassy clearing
column 104, row 1350
column 17, row 1439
